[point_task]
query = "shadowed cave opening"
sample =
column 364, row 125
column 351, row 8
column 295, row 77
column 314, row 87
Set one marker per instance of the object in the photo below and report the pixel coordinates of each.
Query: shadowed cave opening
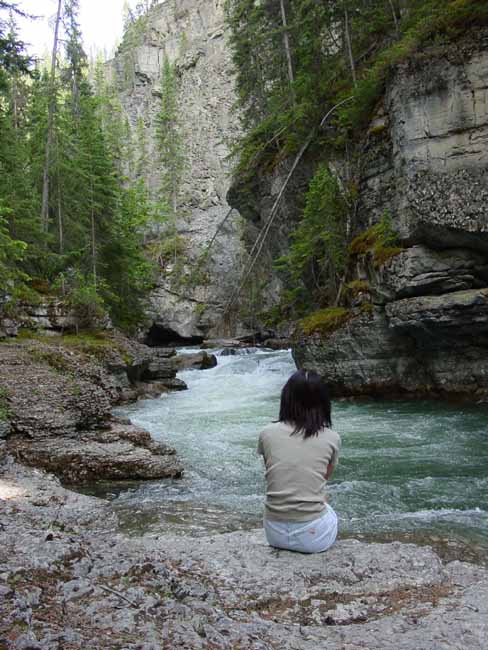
column 160, row 336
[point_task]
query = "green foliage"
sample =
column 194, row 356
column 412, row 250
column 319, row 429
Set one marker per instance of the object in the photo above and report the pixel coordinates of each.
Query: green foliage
column 92, row 250
column 12, row 252
column 318, row 251
column 367, row 308
column 13, row 58
column 325, row 321
column 380, row 242
column 169, row 138
column 50, row 357
column 85, row 302
column 200, row 309
column 276, row 120
column 354, row 288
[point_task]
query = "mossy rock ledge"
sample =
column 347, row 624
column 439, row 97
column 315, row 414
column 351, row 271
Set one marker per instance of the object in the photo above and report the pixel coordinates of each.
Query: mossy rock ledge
column 429, row 346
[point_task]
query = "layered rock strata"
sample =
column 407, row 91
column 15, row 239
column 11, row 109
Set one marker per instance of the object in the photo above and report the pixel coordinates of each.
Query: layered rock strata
column 426, row 328
column 58, row 403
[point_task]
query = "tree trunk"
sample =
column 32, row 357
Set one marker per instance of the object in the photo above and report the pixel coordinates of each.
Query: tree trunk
column 395, row 18
column 347, row 35
column 93, row 239
column 60, row 224
column 286, row 45
column 50, row 124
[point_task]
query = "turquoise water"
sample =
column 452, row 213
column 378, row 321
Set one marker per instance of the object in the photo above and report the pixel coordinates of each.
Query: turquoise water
column 406, row 466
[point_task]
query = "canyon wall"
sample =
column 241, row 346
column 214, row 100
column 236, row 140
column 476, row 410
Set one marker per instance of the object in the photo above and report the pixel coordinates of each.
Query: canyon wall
column 425, row 328
column 188, row 303
column 420, row 323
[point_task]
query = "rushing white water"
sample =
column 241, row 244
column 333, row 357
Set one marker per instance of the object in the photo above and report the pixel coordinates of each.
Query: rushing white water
column 405, row 466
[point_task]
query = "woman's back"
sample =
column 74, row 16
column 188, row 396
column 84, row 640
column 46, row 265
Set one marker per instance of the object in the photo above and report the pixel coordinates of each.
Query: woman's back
column 300, row 452
column 295, row 471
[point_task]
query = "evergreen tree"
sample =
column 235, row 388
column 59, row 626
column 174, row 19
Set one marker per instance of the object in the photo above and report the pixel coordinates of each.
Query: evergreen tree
column 57, row 133
column 169, row 139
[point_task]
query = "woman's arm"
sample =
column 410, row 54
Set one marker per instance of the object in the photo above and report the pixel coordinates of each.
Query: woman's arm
column 330, row 470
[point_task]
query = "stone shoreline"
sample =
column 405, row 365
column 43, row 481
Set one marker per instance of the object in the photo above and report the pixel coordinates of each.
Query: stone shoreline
column 58, row 400
column 69, row 580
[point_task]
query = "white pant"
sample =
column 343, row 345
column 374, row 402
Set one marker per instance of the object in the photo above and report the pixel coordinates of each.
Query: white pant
column 303, row 536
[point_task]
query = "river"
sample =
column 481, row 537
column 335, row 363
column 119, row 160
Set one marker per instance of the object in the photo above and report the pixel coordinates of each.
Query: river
column 407, row 467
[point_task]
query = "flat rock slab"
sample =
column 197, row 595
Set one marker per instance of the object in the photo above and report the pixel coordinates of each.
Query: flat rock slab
column 69, row 579
column 356, row 595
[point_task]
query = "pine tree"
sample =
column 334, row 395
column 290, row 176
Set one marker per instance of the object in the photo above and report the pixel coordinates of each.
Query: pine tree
column 169, row 139
column 50, row 121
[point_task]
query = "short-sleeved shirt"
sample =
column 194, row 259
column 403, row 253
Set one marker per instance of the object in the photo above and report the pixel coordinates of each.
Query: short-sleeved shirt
column 295, row 471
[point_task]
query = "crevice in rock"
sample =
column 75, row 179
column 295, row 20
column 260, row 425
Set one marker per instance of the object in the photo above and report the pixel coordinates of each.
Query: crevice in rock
column 162, row 336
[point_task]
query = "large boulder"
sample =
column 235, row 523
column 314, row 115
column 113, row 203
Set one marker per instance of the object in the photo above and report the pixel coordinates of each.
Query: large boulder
column 196, row 361
column 364, row 357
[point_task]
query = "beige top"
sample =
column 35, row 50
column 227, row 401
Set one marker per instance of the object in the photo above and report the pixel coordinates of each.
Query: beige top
column 295, row 471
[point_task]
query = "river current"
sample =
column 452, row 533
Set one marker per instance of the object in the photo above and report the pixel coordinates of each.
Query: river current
column 406, row 467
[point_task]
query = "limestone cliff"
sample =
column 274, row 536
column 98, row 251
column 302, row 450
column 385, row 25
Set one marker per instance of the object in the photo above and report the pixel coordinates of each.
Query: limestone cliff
column 426, row 327
column 191, row 34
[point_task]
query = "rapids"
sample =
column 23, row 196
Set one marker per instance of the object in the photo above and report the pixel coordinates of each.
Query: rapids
column 407, row 467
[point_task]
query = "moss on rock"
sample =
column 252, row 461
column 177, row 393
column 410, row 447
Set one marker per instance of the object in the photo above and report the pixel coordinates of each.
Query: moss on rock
column 325, row 321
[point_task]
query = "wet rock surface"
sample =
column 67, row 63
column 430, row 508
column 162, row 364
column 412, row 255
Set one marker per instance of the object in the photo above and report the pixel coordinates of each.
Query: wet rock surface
column 69, row 579
column 197, row 361
column 59, row 402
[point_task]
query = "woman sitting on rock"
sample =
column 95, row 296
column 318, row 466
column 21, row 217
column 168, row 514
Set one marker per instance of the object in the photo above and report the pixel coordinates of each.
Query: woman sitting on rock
column 300, row 452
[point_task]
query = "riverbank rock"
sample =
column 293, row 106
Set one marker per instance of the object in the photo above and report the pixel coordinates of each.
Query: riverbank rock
column 424, row 173
column 59, row 412
column 277, row 344
column 121, row 451
column 75, row 581
column 197, row 361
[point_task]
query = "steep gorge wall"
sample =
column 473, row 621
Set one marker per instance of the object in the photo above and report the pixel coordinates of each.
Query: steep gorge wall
column 191, row 33
column 426, row 164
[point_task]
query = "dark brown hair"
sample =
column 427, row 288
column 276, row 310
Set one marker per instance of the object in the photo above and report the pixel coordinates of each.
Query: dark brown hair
column 305, row 403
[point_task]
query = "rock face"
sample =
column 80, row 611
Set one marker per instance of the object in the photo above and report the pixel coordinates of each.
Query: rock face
column 102, row 589
column 191, row 35
column 51, row 316
column 59, row 402
column 426, row 165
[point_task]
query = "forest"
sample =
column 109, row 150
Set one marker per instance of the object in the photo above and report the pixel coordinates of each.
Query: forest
column 76, row 218
column 74, row 208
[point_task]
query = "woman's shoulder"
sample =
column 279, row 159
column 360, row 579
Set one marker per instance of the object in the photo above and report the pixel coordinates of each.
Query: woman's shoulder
column 275, row 427
column 331, row 435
